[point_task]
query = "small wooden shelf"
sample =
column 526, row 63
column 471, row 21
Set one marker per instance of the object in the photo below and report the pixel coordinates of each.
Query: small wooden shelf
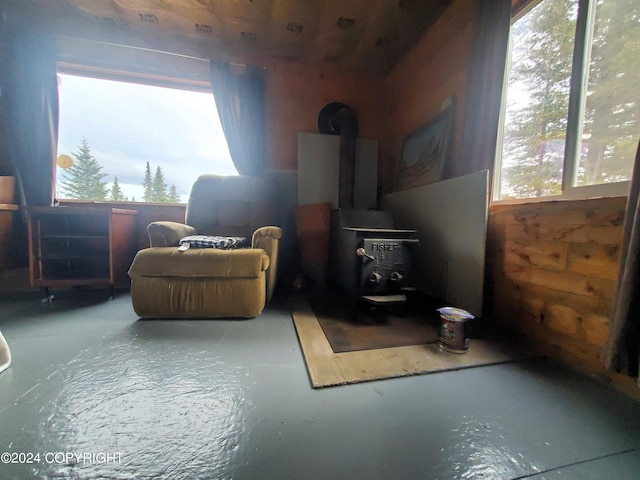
column 80, row 278
column 71, row 246
column 8, row 256
column 73, row 236
column 70, row 256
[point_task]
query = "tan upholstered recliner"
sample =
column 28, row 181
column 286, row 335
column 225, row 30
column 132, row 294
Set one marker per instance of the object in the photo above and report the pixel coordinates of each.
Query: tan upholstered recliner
column 209, row 282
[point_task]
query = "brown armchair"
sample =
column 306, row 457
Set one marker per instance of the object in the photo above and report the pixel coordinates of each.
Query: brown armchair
column 209, row 282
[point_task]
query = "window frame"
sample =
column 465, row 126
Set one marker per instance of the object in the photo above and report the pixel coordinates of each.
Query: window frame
column 146, row 79
column 151, row 80
column 585, row 23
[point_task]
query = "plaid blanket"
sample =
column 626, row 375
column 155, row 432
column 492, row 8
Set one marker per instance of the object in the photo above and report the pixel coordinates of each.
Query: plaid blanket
column 206, row 241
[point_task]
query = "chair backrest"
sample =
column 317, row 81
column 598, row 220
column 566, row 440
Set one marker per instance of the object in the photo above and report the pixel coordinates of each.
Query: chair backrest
column 231, row 206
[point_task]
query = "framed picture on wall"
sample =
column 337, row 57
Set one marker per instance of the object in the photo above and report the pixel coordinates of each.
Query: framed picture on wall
column 425, row 151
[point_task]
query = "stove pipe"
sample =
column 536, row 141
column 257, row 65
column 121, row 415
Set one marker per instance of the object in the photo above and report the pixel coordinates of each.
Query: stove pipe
column 339, row 119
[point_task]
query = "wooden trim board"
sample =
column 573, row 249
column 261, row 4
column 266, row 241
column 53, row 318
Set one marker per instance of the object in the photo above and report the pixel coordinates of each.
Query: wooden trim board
column 327, row 368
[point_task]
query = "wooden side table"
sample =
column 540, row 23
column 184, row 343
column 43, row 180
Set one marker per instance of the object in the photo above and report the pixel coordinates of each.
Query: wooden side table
column 7, row 212
column 77, row 246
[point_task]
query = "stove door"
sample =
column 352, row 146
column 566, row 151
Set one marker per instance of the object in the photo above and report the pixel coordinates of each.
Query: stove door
column 385, row 264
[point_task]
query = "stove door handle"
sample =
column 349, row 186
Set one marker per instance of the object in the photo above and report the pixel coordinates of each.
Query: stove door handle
column 361, row 252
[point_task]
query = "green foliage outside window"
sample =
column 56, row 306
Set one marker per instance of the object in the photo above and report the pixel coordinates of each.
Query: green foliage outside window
column 536, row 118
column 84, row 180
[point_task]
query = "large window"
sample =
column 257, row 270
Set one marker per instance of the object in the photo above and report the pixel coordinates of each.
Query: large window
column 123, row 141
column 570, row 121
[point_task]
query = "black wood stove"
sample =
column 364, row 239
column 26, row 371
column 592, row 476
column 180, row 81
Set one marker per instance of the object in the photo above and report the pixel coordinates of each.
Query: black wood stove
column 369, row 259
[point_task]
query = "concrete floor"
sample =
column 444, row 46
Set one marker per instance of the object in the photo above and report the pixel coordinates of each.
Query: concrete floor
column 98, row 394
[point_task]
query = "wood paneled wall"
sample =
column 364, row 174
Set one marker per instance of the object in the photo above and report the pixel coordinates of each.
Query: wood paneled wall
column 295, row 94
column 552, row 270
column 437, row 68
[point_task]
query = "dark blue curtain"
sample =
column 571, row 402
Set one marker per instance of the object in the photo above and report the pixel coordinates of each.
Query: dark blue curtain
column 623, row 350
column 240, row 103
column 486, row 78
column 29, row 104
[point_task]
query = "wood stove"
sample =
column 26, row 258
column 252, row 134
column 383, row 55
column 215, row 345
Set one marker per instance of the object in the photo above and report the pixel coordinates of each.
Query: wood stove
column 369, row 259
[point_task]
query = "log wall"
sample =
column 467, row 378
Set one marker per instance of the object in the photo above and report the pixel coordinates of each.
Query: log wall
column 551, row 273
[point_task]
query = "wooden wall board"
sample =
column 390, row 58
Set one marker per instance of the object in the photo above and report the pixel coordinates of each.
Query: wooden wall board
column 562, row 281
column 545, row 254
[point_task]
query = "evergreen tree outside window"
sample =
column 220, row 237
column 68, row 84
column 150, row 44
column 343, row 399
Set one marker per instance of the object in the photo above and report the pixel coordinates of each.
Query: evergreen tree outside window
column 116, row 192
column 174, row 196
column 611, row 114
column 148, row 184
column 158, row 187
column 571, row 109
column 84, row 179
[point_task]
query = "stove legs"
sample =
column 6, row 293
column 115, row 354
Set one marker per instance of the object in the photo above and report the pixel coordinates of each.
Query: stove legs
column 373, row 310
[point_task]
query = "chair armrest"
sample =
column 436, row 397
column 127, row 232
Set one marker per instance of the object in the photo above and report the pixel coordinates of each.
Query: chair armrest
column 267, row 238
column 262, row 232
column 168, row 234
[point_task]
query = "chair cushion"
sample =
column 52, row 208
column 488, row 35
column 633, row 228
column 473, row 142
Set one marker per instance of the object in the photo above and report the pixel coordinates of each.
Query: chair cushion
column 199, row 262
column 214, row 241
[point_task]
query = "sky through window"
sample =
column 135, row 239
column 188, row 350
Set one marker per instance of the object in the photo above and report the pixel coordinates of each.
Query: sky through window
column 127, row 125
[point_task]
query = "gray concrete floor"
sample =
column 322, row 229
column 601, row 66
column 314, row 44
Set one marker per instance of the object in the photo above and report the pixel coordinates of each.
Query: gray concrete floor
column 95, row 393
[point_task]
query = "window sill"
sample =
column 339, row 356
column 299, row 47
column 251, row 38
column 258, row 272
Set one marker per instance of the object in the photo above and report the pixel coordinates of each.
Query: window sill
column 120, row 204
column 620, row 189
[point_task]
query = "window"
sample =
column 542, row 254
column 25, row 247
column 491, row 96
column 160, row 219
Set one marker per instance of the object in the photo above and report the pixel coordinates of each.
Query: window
column 571, row 113
column 133, row 142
